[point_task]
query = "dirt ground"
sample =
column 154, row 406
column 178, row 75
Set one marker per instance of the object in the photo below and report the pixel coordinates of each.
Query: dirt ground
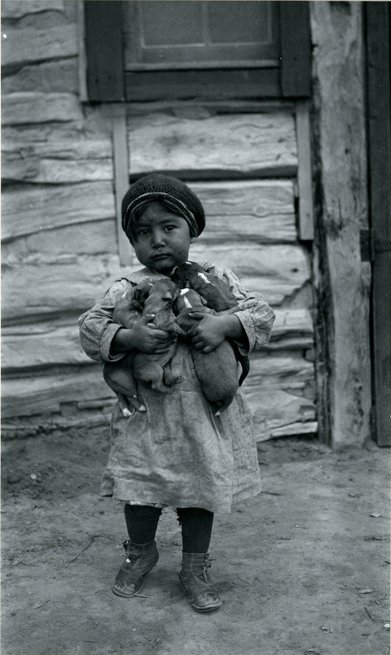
column 303, row 568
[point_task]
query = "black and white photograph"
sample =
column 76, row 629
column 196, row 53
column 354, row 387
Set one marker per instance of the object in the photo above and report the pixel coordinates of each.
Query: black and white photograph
column 196, row 327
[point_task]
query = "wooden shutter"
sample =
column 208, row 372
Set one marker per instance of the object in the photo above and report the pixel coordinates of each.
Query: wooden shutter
column 295, row 49
column 104, row 50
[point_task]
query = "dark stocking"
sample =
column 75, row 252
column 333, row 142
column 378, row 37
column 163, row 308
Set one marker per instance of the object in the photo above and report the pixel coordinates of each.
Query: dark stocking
column 196, row 526
column 141, row 522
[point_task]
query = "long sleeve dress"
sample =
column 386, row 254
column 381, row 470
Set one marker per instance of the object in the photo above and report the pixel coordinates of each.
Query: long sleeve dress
column 178, row 453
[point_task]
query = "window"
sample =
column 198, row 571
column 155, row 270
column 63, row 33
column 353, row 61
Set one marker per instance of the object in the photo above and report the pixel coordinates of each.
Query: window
column 149, row 50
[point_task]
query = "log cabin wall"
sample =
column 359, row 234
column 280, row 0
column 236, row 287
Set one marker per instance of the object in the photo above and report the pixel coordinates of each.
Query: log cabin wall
column 60, row 248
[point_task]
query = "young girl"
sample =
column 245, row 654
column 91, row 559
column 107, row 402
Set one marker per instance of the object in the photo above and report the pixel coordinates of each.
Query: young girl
column 173, row 450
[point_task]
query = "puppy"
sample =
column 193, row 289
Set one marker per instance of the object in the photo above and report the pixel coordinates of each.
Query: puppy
column 155, row 369
column 119, row 375
column 216, row 371
column 215, row 291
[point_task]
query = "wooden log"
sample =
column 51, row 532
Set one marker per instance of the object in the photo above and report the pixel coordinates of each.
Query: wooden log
column 67, row 284
column 277, row 271
column 292, row 329
column 261, row 211
column 275, row 408
column 55, row 162
column 85, row 239
column 33, row 107
column 24, row 349
column 29, row 210
column 19, row 8
column 23, row 46
column 258, row 144
column 54, row 343
column 45, row 394
column 281, row 370
column 60, row 76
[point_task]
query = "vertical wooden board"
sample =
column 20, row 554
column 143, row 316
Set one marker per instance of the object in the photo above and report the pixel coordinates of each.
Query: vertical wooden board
column 295, row 49
column 121, row 176
column 104, row 49
column 379, row 146
column 304, row 173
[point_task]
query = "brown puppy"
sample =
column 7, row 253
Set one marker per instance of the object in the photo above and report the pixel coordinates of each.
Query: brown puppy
column 155, row 369
column 217, row 371
column 119, row 375
column 215, row 291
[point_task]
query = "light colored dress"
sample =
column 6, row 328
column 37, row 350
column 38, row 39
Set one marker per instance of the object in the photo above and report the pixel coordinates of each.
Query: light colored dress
column 178, row 453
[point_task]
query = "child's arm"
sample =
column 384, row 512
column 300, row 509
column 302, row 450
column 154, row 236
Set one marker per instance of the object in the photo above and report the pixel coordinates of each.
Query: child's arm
column 250, row 326
column 106, row 341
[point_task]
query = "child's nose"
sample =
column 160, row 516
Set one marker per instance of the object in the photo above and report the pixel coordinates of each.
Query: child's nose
column 157, row 238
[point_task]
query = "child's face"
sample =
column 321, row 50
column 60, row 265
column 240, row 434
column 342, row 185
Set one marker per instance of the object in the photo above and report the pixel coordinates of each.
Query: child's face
column 162, row 239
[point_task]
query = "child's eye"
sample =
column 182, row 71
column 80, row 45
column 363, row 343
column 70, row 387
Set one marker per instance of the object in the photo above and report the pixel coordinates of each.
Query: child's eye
column 143, row 231
column 170, row 227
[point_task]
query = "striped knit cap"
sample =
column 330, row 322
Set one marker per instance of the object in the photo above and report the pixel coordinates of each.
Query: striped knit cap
column 171, row 192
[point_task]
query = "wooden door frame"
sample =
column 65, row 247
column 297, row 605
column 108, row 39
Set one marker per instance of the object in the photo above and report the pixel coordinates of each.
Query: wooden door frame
column 378, row 18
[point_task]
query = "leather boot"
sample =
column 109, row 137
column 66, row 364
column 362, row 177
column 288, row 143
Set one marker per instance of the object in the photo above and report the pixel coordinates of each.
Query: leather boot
column 196, row 582
column 139, row 561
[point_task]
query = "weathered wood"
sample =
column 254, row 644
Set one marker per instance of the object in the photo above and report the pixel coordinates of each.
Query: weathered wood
column 304, row 172
column 242, row 143
column 121, row 175
column 42, row 395
column 287, row 370
column 49, row 77
column 53, row 343
column 50, row 347
column 67, row 284
column 274, row 409
column 85, row 239
column 379, row 148
column 71, row 283
column 23, row 46
column 29, row 210
column 20, row 8
column 277, row 271
column 344, row 397
column 33, row 107
column 291, row 430
column 261, row 211
column 54, row 162
column 293, row 329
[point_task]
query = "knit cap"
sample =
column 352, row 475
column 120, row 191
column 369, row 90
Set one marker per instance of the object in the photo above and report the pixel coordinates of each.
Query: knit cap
column 171, row 192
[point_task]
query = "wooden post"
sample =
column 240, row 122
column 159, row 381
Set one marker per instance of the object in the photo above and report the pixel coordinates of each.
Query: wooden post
column 342, row 279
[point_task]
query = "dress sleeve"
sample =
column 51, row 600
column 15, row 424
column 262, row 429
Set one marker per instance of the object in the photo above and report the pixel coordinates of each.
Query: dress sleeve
column 254, row 313
column 97, row 329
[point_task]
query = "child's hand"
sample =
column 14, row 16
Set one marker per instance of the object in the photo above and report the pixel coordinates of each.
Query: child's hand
column 148, row 339
column 209, row 333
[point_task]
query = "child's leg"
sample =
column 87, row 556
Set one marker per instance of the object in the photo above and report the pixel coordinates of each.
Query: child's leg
column 141, row 522
column 196, row 524
column 196, row 533
column 141, row 551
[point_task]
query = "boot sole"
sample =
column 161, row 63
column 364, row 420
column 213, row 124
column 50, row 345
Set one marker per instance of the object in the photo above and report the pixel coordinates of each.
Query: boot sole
column 201, row 610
